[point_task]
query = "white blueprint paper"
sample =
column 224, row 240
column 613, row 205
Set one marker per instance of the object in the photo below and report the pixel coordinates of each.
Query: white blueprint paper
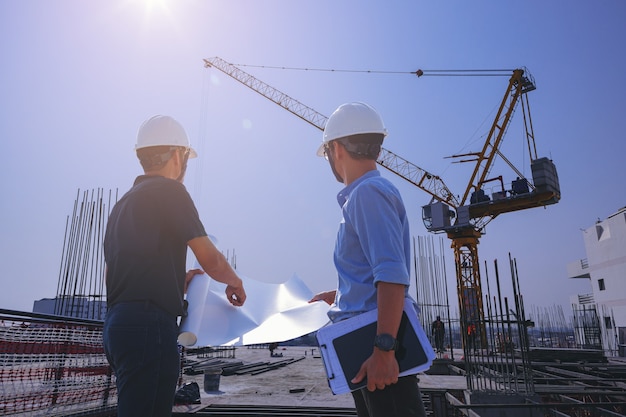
column 271, row 313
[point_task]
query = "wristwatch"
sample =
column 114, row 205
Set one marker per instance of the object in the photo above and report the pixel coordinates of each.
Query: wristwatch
column 385, row 342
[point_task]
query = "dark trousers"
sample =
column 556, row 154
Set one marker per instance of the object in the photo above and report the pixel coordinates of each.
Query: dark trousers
column 401, row 399
column 439, row 342
column 140, row 342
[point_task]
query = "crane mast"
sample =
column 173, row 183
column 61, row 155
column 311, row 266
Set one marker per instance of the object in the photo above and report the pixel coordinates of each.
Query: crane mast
column 462, row 222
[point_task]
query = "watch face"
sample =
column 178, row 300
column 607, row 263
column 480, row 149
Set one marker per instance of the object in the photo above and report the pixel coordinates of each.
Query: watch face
column 385, row 342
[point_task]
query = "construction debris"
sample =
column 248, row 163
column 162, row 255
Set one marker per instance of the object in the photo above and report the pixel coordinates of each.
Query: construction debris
column 192, row 367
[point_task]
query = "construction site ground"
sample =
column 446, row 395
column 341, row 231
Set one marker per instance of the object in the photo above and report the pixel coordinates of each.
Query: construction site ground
column 300, row 383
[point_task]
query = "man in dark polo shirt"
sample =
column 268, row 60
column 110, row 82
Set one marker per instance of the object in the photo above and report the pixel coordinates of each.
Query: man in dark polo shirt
column 145, row 247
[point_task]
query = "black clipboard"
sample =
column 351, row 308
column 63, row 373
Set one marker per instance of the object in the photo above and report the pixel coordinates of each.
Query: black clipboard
column 345, row 345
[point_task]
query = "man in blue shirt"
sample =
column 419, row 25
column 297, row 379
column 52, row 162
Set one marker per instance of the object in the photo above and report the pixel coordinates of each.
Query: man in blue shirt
column 372, row 257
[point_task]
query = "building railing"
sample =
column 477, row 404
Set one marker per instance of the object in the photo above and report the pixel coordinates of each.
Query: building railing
column 585, row 299
column 53, row 366
column 584, row 263
column 212, row 352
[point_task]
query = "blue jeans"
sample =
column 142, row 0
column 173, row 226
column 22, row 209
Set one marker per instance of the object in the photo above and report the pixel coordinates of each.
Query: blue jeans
column 402, row 399
column 140, row 342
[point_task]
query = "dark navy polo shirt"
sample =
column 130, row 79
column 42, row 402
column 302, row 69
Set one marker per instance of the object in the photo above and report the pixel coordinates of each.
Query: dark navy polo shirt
column 145, row 245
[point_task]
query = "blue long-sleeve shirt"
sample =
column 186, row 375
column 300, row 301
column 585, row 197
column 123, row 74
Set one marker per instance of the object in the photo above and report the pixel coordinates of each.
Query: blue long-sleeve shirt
column 373, row 244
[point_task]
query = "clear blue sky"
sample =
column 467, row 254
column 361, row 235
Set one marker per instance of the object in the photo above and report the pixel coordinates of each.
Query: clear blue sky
column 78, row 78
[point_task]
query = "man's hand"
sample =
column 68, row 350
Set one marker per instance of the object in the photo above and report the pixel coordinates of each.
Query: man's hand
column 327, row 296
column 381, row 369
column 218, row 268
column 190, row 274
column 235, row 294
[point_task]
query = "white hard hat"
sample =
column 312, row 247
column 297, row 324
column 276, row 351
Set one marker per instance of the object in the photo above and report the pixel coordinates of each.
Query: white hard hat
column 163, row 131
column 352, row 119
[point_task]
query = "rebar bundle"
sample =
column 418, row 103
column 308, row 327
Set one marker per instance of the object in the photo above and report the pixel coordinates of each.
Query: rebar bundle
column 80, row 289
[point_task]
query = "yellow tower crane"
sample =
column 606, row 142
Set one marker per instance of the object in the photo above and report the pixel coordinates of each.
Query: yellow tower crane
column 462, row 220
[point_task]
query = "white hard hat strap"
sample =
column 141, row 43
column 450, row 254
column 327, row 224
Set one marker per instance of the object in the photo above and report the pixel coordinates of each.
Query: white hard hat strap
column 158, row 159
column 183, row 168
column 363, row 149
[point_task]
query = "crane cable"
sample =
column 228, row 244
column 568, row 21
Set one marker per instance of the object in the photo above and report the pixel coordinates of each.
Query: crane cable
column 418, row 73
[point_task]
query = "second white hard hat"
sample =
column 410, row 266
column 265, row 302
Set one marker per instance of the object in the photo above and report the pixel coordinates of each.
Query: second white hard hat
column 352, row 119
column 163, row 131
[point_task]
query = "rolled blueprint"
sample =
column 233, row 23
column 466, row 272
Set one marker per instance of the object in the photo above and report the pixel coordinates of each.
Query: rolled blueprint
column 196, row 299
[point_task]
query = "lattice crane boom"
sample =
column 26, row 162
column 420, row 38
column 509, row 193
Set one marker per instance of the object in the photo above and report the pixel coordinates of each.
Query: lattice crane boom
column 421, row 178
column 519, row 84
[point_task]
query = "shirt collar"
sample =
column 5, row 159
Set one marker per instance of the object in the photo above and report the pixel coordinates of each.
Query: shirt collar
column 343, row 195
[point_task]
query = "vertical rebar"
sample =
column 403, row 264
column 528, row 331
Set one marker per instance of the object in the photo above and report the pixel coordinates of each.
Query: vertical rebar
column 80, row 288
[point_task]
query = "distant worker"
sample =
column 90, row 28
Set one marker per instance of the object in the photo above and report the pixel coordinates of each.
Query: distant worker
column 438, row 331
column 272, row 347
column 372, row 257
column 471, row 337
column 145, row 248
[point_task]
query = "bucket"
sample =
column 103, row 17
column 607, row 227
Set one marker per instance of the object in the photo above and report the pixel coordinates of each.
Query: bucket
column 212, row 380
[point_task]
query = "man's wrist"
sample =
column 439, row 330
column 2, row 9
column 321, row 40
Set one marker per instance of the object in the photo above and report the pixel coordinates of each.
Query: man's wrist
column 385, row 342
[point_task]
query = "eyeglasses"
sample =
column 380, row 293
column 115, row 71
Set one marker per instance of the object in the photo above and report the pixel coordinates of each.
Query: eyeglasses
column 184, row 151
column 326, row 151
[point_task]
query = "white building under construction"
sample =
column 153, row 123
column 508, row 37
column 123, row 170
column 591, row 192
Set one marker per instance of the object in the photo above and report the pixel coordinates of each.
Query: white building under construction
column 600, row 317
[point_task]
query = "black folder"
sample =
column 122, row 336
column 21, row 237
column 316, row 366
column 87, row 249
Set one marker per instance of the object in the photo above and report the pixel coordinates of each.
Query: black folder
column 345, row 345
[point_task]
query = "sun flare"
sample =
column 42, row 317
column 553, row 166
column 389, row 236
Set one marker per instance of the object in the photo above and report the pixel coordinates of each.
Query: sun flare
column 155, row 6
